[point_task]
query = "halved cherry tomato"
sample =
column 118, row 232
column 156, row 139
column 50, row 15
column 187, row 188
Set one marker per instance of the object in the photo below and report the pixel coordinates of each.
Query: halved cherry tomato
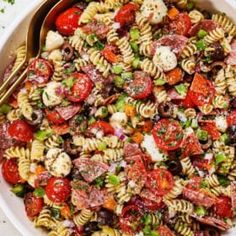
column 165, row 231
column 108, row 53
column 39, row 71
column 140, row 87
column 54, row 117
column 181, row 24
column 58, row 189
column 202, row 164
column 81, row 88
column 223, row 207
column 168, row 134
column 33, row 205
column 61, row 129
column 174, row 76
column 10, row 171
column 210, row 127
column 194, row 183
column 104, row 126
column 201, row 91
column 20, row 130
column 191, row 146
column 130, row 219
column 68, row 21
column 160, row 181
column 231, row 118
column 126, row 14
column 187, row 102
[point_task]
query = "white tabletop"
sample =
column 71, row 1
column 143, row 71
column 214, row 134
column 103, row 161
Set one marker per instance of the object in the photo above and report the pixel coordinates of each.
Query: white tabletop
column 6, row 17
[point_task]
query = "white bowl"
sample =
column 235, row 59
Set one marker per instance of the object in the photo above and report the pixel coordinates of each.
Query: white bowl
column 12, row 206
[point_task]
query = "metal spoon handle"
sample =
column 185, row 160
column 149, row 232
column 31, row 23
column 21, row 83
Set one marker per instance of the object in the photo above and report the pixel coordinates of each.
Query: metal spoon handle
column 7, row 82
column 13, row 87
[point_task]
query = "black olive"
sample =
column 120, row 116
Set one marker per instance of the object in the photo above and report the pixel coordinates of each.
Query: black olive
column 231, row 131
column 90, row 228
column 166, row 109
column 206, row 144
column 156, row 118
column 218, row 52
column 106, row 217
column 233, row 103
column 174, row 166
column 68, row 51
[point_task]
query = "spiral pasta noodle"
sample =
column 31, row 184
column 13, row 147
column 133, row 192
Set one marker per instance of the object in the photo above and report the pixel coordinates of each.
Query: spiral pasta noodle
column 195, row 16
column 225, row 23
column 37, row 151
column 14, row 114
column 214, row 36
column 24, row 105
column 99, row 61
column 83, row 217
column 20, row 56
column 45, row 220
column 187, row 166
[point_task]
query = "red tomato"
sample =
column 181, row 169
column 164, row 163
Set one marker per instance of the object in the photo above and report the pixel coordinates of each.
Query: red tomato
column 109, row 54
column 68, row 21
column 181, row 24
column 151, row 205
column 202, row 164
column 20, row 130
column 187, row 102
column 39, row 70
column 223, row 207
column 61, row 129
column 201, row 91
column 54, row 117
column 33, row 205
column 105, row 127
column 165, row 231
column 168, row 134
column 210, row 127
column 81, row 88
column 191, row 146
column 126, row 14
column 58, row 189
column 160, row 181
column 140, row 87
column 194, row 183
column 10, row 171
column 130, row 219
column 231, row 118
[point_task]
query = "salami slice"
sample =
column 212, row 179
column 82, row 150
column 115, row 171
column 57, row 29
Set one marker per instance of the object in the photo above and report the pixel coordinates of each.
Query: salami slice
column 85, row 196
column 131, row 149
column 199, row 197
column 208, row 220
column 90, row 169
column 175, row 42
column 137, row 175
column 233, row 196
column 207, row 25
column 68, row 112
column 97, row 28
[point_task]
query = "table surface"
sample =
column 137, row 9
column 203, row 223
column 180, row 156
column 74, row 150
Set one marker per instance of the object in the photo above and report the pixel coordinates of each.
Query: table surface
column 6, row 12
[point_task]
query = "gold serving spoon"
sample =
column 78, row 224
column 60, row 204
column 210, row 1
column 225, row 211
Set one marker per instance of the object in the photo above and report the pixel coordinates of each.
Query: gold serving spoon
column 42, row 21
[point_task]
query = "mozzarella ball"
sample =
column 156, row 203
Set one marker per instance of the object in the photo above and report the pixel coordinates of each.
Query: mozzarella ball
column 154, row 10
column 118, row 120
column 221, row 123
column 50, row 96
column 151, row 148
column 164, row 58
column 53, row 41
column 58, row 163
column 55, row 55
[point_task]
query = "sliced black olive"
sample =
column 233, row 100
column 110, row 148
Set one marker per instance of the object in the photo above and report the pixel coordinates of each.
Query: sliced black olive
column 106, row 217
column 231, row 131
column 68, row 51
column 174, row 166
column 166, row 109
column 90, row 228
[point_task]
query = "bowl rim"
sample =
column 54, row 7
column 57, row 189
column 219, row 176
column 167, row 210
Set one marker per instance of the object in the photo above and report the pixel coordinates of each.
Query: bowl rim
column 4, row 38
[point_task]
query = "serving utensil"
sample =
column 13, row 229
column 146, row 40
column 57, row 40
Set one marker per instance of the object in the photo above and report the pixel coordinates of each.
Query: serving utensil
column 42, row 21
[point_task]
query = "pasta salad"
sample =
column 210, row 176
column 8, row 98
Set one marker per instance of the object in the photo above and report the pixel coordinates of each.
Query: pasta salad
column 126, row 123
